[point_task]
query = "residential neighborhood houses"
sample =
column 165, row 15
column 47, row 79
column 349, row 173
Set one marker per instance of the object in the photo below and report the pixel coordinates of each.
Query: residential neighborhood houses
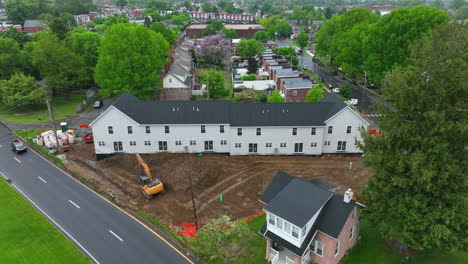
column 233, row 131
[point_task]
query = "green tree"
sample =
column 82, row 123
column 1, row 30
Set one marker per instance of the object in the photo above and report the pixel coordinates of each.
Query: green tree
column 276, row 97
column 246, row 96
column 19, row 36
column 283, row 28
column 388, row 41
column 225, row 238
column 456, row 4
column 86, row 44
column 121, row 3
column 346, row 90
column 261, row 35
column 229, row 33
column 214, row 81
column 19, row 10
column 302, row 39
column 181, row 20
column 249, row 77
column 21, row 90
column 249, row 49
column 59, row 65
column 207, row 7
column 68, row 19
column 213, row 28
column 417, row 191
column 169, row 34
column 130, row 59
column 315, row 94
column 10, row 58
column 328, row 12
column 289, row 53
column 461, row 13
column 59, row 28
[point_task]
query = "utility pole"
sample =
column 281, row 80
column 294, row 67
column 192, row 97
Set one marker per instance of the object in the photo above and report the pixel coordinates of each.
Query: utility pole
column 51, row 113
column 193, row 200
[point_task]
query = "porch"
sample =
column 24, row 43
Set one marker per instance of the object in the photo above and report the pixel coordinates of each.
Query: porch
column 284, row 256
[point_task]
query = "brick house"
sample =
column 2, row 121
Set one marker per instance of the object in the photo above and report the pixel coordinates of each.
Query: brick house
column 243, row 30
column 281, row 74
column 295, row 89
column 307, row 222
column 33, row 26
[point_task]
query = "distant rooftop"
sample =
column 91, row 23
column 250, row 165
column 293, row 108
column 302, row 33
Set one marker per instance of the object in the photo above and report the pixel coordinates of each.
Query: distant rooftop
column 229, row 26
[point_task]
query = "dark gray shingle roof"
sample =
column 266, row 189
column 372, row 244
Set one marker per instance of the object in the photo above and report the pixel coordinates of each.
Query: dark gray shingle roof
column 277, row 184
column 286, row 73
column 294, row 83
column 224, row 112
column 34, row 23
column 334, row 215
column 324, row 185
column 298, row 202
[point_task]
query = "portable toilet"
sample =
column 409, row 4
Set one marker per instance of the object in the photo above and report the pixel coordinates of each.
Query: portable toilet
column 64, row 126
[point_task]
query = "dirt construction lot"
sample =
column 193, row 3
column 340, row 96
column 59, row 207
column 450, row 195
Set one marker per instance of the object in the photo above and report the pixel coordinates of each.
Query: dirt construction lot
column 240, row 179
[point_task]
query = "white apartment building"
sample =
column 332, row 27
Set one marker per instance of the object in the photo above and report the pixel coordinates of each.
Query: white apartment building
column 133, row 126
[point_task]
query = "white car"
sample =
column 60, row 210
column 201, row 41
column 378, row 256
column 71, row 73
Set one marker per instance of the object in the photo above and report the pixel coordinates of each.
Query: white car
column 353, row 101
column 336, row 90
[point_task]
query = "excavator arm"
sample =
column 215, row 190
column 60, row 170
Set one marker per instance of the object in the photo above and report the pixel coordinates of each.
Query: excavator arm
column 149, row 185
column 144, row 167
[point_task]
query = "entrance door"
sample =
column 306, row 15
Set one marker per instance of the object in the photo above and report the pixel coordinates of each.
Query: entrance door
column 118, row 146
column 209, row 145
column 299, row 147
column 253, row 147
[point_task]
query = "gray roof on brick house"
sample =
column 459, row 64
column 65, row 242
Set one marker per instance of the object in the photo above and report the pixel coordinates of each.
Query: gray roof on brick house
column 297, row 83
column 219, row 112
column 286, row 73
column 34, row 23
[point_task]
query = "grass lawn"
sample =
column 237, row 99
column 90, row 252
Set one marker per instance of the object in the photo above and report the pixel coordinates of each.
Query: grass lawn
column 27, row 237
column 372, row 249
column 63, row 108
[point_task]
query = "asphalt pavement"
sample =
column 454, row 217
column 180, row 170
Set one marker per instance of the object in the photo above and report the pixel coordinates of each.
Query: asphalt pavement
column 101, row 231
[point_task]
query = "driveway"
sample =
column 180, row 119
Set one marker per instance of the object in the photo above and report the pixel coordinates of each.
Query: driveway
column 75, row 122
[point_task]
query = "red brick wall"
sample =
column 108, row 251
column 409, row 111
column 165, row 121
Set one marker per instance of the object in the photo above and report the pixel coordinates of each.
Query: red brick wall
column 172, row 94
column 299, row 97
column 32, row 29
column 241, row 33
column 330, row 243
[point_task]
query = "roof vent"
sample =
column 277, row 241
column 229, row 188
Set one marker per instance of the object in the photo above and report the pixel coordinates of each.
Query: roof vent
column 193, row 108
column 198, row 109
column 263, row 111
column 177, row 108
column 173, row 109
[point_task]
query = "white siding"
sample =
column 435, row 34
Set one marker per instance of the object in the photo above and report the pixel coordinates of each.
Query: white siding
column 281, row 233
column 186, row 132
column 170, row 81
column 340, row 121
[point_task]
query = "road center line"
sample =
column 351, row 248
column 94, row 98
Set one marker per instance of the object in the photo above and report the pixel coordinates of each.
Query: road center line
column 74, row 204
column 121, row 240
column 17, row 160
column 41, row 179
column 55, row 223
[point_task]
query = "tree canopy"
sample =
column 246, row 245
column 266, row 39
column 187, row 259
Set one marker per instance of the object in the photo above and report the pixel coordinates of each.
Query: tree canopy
column 213, row 28
column 214, row 81
column 261, row 35
column 130, row 59
column 21, row 90
column 215, row 49
column 248, row 49
column 416, row 193
column 169, row 34
column 86, row 44
column 302, row 39
column 10, row 57
column 275, row 97
column 229, row 33
column 315, row 94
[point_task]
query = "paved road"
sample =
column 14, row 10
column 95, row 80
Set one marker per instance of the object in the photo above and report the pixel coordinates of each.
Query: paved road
column 365, row 98
column 103, row 232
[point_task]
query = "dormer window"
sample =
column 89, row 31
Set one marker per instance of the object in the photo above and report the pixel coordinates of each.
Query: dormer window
column 170, row 80
column 295, row 232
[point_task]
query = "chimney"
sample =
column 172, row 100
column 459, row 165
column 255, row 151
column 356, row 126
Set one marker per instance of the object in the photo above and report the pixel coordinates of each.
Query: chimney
column 348, row 196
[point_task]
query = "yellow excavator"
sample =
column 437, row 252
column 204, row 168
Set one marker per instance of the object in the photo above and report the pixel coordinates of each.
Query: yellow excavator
column 149, row 186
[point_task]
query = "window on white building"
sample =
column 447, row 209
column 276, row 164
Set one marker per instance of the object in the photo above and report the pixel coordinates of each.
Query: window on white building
column 271, row 219
column 295, row 232
column 162, row 145
column 101, row 143
column 313, row 131
column 238, row 145
column 330, row 129
column 304, row 229
column 239, row 131
column 348, row 130
column 287, row 227
column 283, row 145
column 129, row 129
column 299, row 147
column 337, row 248
column 110, row 129
column 166, row 129
column 341, row 145
column 223, row 142
column 294, row 132
column 193, row 142
column 279, row 223
column 178, row 142
column 269, row 145
column 118, row 146
column 132, row 143
column 327, row 143
column 147, row 143
column 148, row 129
column 221, row 129
column 259, row 131
column 313, row 144
column 202, row 129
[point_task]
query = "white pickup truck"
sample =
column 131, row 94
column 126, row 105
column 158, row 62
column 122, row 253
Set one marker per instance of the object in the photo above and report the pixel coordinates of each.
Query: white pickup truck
column 353, row 101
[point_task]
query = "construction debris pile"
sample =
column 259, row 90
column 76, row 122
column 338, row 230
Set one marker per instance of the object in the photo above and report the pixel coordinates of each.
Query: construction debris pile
column 47, row 138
